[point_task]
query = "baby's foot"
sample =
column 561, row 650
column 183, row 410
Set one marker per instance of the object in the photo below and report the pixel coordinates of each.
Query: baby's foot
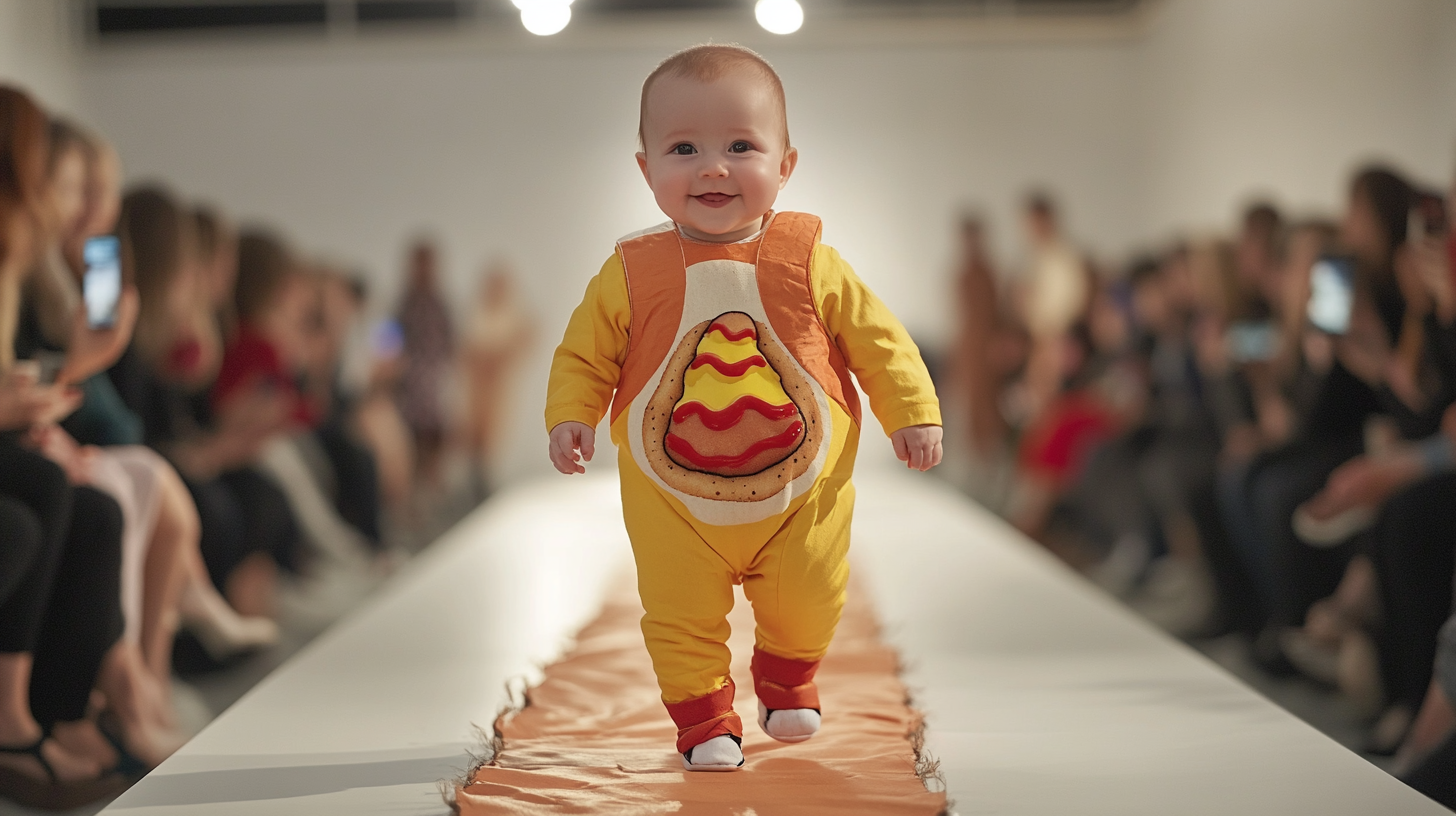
column 788, row 724
column 721, row 753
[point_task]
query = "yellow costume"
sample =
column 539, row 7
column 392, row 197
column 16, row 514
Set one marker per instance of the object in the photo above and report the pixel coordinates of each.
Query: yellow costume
column 726, row 371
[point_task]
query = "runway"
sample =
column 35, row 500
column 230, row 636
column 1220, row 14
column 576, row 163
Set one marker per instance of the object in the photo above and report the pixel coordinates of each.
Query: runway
column 1041, row 695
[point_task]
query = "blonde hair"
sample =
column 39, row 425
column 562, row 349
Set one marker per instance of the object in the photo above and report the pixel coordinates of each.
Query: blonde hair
column 708, row 63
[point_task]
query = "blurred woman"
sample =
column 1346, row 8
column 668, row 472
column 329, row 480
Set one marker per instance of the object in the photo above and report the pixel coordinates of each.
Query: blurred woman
column 247, row 530
column 499, row 335
column 1279, row 481
column 279, row 340
column 164, row 579
column 60, row 566
column 429, row 349
column 1405, row 484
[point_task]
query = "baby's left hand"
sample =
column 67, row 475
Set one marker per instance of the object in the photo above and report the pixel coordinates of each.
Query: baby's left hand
column 918, row 446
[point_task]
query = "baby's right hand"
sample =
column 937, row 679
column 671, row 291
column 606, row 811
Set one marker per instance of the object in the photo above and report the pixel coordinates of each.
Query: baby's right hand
column 566, row 440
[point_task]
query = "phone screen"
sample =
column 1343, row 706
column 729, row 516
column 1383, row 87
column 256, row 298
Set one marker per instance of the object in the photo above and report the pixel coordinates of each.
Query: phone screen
column 1331, row 294
column 101, row 286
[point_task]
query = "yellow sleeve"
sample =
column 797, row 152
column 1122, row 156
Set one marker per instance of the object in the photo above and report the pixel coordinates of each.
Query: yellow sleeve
column 875, row 345
column 588, row 363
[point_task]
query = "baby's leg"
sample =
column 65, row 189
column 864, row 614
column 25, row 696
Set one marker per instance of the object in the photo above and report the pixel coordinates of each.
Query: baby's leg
column 797, row 589
column 687, row 592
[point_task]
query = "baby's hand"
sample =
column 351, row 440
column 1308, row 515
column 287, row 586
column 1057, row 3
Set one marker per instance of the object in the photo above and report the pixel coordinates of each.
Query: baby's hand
column 568, row 438
column 918, row 446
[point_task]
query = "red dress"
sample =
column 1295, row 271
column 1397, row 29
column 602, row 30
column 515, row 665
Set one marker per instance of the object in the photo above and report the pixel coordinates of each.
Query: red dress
column 252, row 361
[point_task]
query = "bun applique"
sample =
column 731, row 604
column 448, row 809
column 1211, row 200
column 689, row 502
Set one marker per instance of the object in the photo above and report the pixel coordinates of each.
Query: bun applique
column 732, row 419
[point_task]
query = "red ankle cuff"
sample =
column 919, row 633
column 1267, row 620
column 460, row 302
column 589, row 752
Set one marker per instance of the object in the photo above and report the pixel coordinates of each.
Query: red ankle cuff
column 782, row 683
column 703, row 718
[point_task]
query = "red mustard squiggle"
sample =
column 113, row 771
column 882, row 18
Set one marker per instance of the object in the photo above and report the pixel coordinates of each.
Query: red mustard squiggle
column 730, row 335
column 681, row 447
column 725, row 368
column 733, row 414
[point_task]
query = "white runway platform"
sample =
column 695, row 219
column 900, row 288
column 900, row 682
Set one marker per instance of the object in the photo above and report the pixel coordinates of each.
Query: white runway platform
column 1042, row 696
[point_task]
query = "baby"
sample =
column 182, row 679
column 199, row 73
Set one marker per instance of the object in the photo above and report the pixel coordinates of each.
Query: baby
column 722, row 342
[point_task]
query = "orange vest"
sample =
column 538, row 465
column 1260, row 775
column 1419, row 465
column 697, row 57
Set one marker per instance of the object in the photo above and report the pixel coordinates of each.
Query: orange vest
column 656, row 264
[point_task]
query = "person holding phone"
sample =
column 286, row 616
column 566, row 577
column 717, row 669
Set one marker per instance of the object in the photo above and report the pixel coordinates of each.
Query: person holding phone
column 1332, row 405
column 62, row 616
column 164, row 578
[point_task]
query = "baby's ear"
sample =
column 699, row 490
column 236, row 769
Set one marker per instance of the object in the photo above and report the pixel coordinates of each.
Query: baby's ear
column 786, row 167
column 642, row 165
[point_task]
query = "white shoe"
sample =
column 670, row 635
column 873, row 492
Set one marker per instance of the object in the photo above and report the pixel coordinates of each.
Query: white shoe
column 221, row 631
column 721, row 753
column 1333, row 531
column 789, row 724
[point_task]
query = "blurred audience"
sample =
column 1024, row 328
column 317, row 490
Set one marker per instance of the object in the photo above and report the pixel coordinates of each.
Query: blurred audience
column 77, row 716
column 1253, row 436
column 207, row 457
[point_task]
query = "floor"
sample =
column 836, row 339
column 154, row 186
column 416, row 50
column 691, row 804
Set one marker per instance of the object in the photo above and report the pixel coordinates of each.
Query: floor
column 1043, row 695
column 307, row 611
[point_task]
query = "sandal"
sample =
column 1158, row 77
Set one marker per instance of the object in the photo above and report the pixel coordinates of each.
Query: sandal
column 53, row 794
column 127, row 763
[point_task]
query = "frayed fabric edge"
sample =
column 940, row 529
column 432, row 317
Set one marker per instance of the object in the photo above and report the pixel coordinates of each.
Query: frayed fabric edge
column 489, row 744
column 927, row 766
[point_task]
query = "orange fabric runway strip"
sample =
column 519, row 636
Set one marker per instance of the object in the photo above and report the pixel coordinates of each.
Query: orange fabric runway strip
column 594, row 737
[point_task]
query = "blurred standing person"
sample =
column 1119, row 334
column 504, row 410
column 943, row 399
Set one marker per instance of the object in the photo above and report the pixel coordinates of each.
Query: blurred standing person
column 1052, row 298
column 429, row 349
column 977, row 381
column 500, row 333
column 987, row 351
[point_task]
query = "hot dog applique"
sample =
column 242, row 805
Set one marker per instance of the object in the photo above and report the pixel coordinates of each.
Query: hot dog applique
column 733, row 418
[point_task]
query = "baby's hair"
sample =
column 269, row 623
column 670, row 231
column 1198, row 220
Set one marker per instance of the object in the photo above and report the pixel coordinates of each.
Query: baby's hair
column 710, row 62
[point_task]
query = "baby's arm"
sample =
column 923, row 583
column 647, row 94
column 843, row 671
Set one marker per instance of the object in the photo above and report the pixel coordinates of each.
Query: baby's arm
column 882, row 356
column 586, row 367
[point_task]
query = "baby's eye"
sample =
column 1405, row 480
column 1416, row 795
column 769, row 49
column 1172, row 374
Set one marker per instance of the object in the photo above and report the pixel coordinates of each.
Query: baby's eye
column 684, row 149
column 740, row 147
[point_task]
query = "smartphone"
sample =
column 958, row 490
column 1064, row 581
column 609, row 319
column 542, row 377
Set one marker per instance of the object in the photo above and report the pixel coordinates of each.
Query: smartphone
column 1331, row 294
column 101, row 284
column 1251, row 342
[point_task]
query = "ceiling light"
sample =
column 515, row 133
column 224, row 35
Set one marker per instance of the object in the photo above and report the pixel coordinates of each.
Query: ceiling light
column 544, row 17
column 779, row 16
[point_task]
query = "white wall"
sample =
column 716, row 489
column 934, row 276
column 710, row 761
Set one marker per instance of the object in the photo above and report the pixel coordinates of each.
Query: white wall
column 38, row 52
column 1247, row 97
column 509, row 146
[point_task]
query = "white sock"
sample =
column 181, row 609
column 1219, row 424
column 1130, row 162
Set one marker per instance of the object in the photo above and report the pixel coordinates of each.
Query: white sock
column 789, row 724
column 720, row 753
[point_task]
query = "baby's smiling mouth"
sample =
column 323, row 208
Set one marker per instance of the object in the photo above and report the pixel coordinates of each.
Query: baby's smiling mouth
column 714, row 199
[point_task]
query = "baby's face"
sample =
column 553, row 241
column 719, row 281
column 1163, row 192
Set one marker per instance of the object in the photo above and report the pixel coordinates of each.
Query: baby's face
column 714, row 153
